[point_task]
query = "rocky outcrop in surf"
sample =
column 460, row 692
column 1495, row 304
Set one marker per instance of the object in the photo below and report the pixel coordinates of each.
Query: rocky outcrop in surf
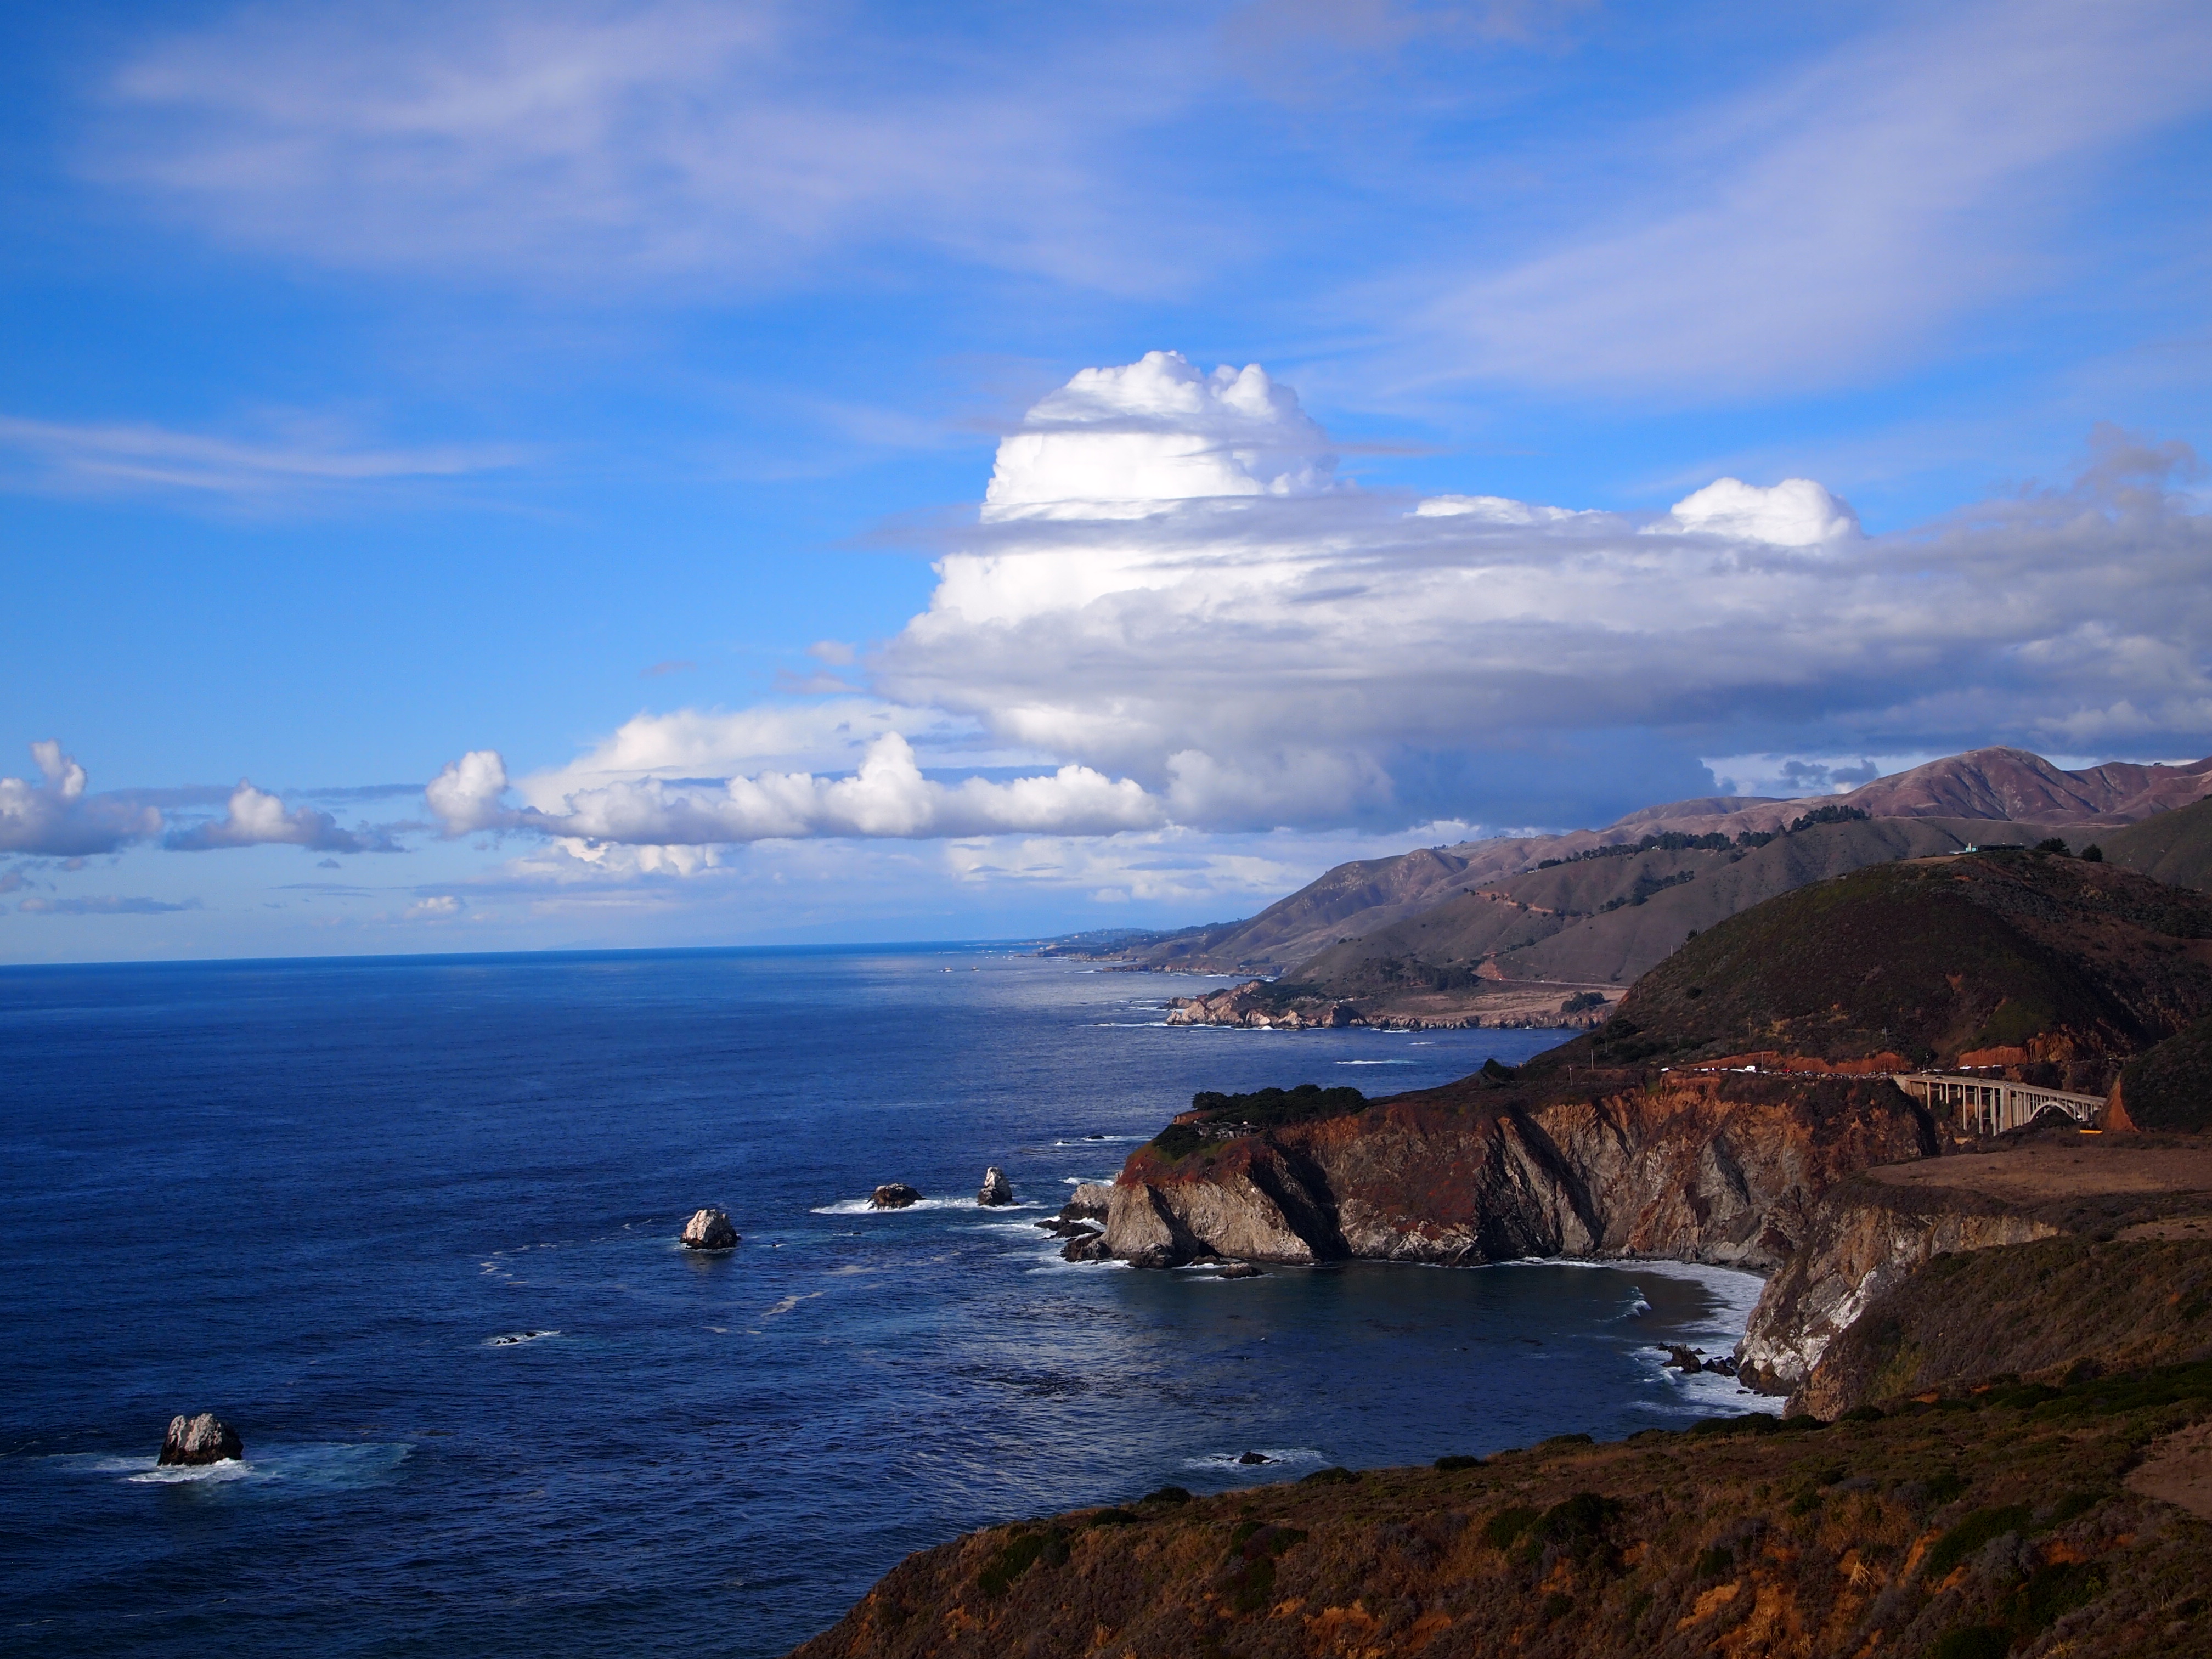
column 996, row 1188
column 709, row 1229
column 893, row 1195
column 1089, row 1202
column 194, row 1441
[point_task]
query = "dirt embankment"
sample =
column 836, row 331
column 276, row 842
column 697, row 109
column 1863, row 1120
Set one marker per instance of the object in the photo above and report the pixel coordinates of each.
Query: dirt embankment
column 1722, row 1170
column 1874, row 1237
column 2039, row 1312
column 1996, row 1523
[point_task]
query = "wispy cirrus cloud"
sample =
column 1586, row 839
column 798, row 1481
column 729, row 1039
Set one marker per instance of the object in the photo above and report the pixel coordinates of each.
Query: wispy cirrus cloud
column 657, row 139
column 107, row 905
column 1820, row 226
column 308, row 457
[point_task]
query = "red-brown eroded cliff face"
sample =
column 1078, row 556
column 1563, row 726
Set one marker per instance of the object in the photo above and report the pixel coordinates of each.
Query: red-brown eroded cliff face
column 1720, row 1170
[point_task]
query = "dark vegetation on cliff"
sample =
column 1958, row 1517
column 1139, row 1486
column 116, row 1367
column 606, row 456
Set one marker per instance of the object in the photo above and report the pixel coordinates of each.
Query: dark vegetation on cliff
column 2170, row 1086
column 1213, row 1115
column 2038, row 1312
column 1983, row 1524
column 2072, row 965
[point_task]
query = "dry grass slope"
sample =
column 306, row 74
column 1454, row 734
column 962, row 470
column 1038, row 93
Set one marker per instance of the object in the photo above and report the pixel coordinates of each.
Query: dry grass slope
column 1983, row 1524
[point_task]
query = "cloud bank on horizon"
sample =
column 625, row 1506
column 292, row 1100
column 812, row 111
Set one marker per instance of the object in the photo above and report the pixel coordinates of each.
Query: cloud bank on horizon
column 1172, row 612
column 1170, row 598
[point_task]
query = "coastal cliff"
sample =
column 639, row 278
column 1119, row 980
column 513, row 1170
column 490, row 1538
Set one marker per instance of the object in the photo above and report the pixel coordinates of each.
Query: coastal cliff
column 1865, row 1239
column 1715, row 1169
column 1861, row 1274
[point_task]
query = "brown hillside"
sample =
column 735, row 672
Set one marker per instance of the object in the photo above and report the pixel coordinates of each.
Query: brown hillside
column 1982, row 786
column 1995, row 1524
column 2175, row 847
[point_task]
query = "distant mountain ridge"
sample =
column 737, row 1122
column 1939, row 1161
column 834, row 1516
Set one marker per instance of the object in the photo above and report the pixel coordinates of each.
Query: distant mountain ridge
column 1608, row 920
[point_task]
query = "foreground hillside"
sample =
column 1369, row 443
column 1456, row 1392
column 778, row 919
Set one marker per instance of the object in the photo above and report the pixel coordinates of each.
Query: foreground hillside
column 1964, row 1527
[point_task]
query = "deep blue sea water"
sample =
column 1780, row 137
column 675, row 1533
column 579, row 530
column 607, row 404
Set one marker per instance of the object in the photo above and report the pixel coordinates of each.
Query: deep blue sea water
column 315, row 1196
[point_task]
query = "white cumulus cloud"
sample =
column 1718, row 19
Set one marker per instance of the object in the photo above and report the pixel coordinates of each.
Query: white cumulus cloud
column 55, row 817
column 257, row 818
column 1239, row 646
column 1128, row 441
column 887, row 796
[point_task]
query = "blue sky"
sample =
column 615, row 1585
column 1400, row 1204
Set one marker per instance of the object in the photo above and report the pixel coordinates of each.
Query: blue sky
column 619, row 390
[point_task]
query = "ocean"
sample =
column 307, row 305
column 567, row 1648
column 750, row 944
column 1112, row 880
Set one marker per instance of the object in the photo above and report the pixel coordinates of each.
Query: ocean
column 409, row 1224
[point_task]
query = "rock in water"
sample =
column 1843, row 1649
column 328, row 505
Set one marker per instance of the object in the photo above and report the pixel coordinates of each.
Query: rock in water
column 893, row 1195
column 996, row 1188
column 1255, row 1457
column 1240, row 1270
column 709, row 1229
column 203, row 1439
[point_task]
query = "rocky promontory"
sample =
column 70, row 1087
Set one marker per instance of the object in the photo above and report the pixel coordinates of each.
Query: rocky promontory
column 1715, row 1169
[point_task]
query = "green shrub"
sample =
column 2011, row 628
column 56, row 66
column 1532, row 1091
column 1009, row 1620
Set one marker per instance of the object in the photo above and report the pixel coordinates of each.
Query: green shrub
column 1564, row 1440
column 1177, row 1140
column 1969, row 1535
column 1557, row 1605
column 1715, row 1563
column 1335, row 1475
column 1457, row 1461
column 1945, row 1485
column 1500, row 1531
column 1974, row 1642
column 1576, row 1524
column 1022, row 1551
column 2052, row 1592
column 1270, row 1107
column 1166, row 1495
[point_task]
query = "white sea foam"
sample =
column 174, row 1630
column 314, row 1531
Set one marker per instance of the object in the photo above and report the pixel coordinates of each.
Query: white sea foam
column 1274, row 1454
column 1375, row 1063
column 310, row 1467
column 861, row 1207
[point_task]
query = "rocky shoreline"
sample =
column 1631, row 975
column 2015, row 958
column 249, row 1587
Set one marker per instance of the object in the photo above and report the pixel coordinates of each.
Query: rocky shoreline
column 1267, row 1004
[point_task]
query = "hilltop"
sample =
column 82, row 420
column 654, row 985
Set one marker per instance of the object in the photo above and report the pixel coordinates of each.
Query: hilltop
column 1994, row 959
column 1457, row 934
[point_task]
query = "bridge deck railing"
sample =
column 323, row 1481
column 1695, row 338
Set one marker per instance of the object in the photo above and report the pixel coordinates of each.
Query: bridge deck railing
column 1989, row 1106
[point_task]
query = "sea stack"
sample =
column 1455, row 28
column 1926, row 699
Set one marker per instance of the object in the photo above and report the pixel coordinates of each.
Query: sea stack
column 996, row 1188
column 203, row 1439
column 893, row 1195
column 710, row 1230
